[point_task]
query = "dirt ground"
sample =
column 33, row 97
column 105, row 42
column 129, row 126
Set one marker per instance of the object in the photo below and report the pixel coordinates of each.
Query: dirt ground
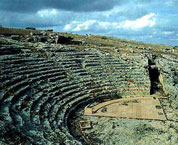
column 120, row 131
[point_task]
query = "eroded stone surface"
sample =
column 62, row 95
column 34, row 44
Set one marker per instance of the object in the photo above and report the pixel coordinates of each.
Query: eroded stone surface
column 43, row 80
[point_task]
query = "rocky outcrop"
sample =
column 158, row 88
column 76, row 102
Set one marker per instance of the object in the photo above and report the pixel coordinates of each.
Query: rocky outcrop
column 169, row 78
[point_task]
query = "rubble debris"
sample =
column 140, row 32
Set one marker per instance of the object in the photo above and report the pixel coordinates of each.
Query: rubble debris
column 85, row 125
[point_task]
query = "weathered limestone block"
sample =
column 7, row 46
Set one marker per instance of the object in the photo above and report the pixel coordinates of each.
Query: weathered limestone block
column 168, row 79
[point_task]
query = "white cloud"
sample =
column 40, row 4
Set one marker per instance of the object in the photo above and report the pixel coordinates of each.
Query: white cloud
column 70, row 26
column 47, row 12
column 174, row 39
column 79, row 26
column 67, row 27
column 85, row 25
column 168, row 33
column 145, row 21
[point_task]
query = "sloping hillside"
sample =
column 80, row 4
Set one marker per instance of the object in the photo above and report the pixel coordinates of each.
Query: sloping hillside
column 47, row 78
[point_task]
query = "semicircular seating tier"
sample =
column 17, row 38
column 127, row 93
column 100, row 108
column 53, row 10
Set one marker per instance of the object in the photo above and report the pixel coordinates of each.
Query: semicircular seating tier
column 38, row 92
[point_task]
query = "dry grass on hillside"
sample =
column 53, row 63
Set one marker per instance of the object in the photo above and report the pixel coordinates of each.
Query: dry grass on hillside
column 10, row 31
column 108, row 44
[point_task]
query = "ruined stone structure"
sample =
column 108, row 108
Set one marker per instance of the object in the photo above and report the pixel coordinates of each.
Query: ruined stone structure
column 42, row 82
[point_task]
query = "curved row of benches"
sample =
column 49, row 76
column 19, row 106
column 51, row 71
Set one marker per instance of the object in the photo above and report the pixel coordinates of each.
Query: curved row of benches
column 38, row 93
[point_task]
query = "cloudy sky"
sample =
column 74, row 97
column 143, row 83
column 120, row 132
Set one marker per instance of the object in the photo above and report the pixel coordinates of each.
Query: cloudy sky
column 152, row 21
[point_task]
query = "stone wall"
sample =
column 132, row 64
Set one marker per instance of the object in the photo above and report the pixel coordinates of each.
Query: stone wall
column 168, row 68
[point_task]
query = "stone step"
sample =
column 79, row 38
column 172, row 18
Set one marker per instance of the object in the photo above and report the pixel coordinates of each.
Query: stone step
column 12, row 90
column 29, row 70
column 5, row 115
column 42, row 99
column 136, row 93
column 22, row 60
column 21, row 67
column 12, row 99
column 19, row 97
column 9, row 57
column 7, row 79
column 42, row 106
column 60, row 115
column 69, row 87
